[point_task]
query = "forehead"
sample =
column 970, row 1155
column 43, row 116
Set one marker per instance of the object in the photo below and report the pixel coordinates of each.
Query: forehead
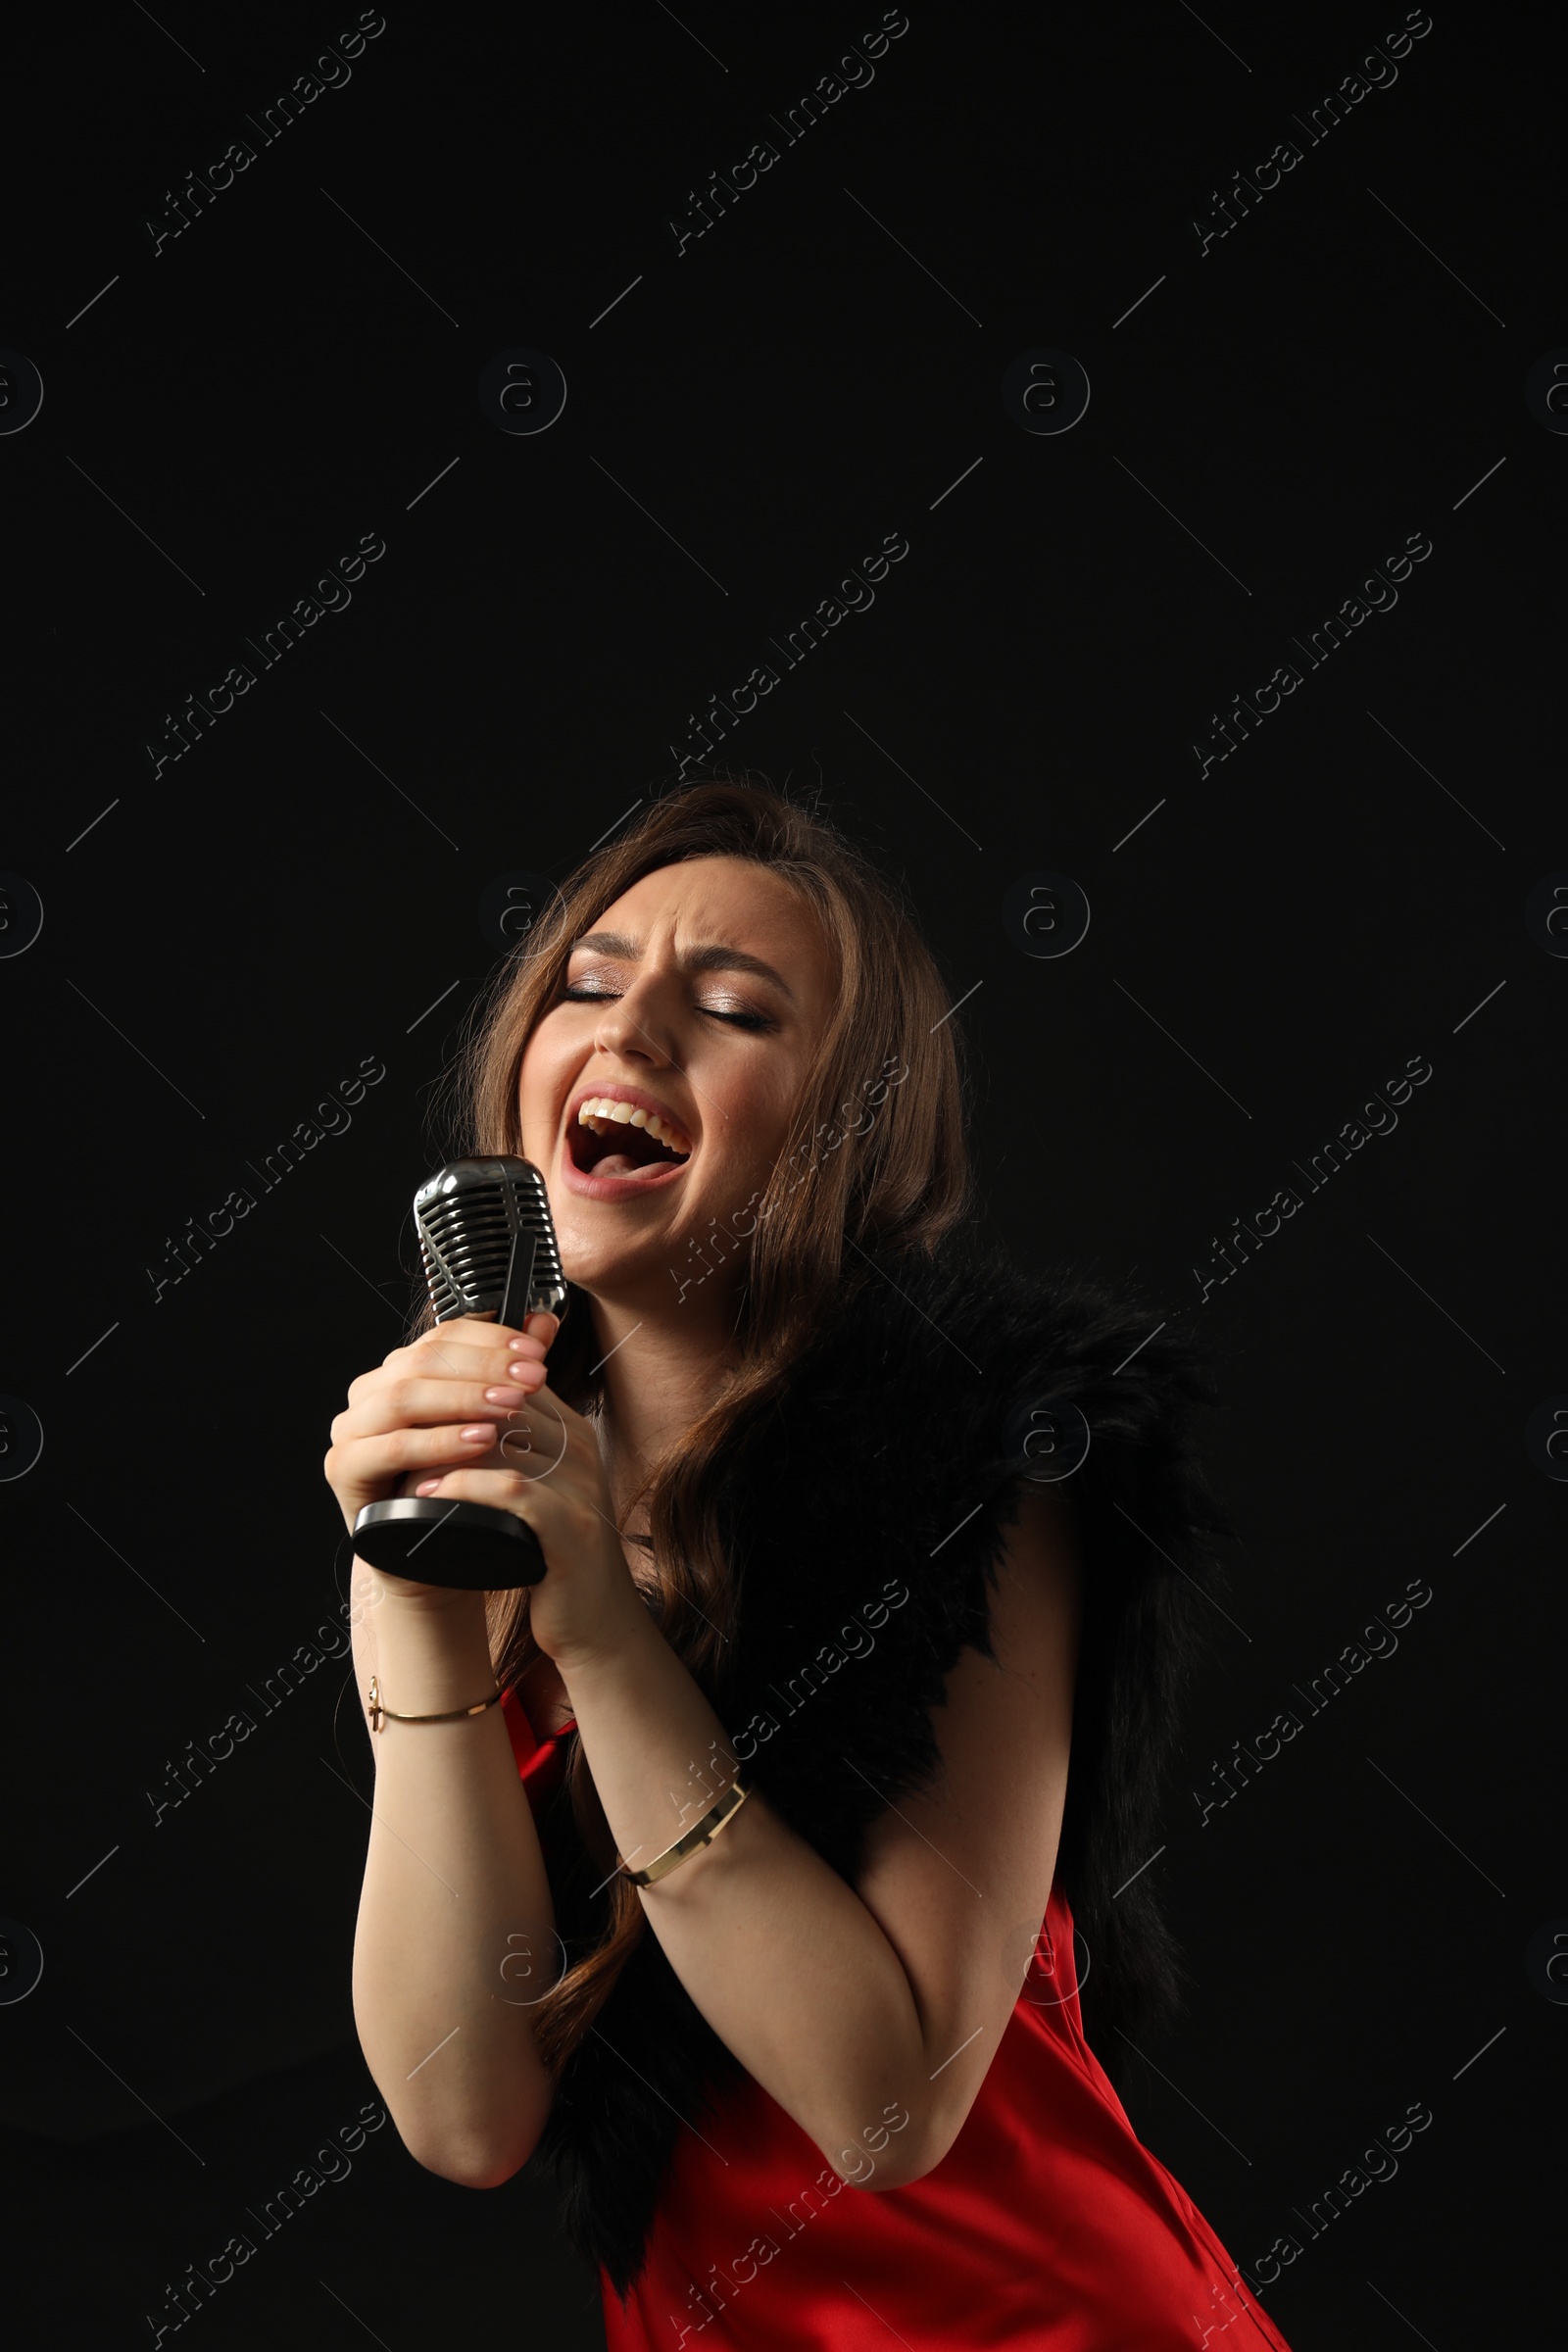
column 722, row 893
column 725, row 900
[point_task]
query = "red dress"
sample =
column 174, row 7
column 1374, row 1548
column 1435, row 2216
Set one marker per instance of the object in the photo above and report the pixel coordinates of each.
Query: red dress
column 1048, row 2226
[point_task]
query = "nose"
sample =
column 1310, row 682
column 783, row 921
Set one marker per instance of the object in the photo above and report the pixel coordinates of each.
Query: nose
column 633, row 1025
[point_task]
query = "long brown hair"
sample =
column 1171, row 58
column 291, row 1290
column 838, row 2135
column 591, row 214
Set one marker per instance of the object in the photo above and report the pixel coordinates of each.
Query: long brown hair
column 902, row 1184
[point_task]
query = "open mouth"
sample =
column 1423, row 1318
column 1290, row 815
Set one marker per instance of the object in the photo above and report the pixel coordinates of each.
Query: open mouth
column 611, row 1147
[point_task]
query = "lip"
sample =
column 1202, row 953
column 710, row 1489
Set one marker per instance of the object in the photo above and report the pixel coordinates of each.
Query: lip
column 617, row 1188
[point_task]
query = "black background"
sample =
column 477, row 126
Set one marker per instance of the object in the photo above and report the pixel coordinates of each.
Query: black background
column 227, row 938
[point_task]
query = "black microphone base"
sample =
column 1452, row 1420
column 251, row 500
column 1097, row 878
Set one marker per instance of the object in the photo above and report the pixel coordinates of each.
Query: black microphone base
column 464, row 1547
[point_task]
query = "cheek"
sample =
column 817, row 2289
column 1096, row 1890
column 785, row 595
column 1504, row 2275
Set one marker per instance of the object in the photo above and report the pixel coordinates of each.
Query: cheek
column 535, row 1096
column 756, row 1129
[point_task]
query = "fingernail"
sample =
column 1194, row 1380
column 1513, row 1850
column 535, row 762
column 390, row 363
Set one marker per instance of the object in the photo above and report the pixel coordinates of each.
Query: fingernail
column 428, row 1486
column 472, row 1437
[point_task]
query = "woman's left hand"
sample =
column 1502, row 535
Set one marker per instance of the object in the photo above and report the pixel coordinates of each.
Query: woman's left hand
column 545, row 1468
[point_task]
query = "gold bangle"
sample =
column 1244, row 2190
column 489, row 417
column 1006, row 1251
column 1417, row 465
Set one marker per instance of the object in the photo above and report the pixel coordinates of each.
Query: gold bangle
column 379, row 1716
column 702, row 1834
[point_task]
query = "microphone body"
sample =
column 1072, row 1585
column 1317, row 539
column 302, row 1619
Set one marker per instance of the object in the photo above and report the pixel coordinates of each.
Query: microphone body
column 489, row 1250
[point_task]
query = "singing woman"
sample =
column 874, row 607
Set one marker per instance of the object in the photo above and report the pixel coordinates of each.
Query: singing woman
column 772, row 1868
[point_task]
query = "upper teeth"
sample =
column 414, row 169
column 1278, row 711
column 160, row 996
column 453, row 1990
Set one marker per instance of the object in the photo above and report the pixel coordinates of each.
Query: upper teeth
column 632, row 1114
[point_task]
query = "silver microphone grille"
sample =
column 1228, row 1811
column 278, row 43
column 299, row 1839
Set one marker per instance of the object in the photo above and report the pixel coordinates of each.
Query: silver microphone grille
column 468, row 1216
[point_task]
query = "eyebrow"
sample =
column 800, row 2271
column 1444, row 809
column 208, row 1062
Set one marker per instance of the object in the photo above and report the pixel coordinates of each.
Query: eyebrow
column 712, row 958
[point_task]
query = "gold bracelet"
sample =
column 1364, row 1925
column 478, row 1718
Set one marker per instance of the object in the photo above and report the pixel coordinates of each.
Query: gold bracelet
column 379, row 1716
column 702, row 1834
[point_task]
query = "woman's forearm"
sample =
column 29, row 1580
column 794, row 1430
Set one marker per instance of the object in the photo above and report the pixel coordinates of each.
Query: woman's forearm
column 780, row 1955
column 456, row 1933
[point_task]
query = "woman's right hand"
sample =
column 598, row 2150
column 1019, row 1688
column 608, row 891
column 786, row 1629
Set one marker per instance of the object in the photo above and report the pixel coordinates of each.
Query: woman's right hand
column 411, row 1417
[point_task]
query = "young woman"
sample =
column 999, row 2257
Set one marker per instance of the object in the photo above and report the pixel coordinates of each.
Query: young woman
column 734, row 1867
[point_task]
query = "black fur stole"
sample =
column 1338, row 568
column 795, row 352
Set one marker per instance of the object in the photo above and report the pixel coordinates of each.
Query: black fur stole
column 893, row 1466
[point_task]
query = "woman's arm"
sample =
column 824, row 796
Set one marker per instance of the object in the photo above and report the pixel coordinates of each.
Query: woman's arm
column 855, row 2008
column 456, row 1933
column 456, row 1930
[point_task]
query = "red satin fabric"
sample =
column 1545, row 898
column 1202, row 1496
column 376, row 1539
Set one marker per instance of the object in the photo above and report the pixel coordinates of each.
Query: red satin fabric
column 1048, row 2226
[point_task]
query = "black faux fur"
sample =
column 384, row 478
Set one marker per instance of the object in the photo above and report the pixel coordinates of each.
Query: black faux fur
column 893, row 1464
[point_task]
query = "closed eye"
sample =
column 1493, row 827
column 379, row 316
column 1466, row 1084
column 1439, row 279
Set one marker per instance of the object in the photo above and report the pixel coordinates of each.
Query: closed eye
column 607, row 996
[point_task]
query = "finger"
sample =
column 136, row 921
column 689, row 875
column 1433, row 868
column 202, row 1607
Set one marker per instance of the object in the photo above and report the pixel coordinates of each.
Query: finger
column 365, row 1461
column 467, row 1340
column 406, row 1401
column 447, row 1360
column 502, row 1490
column 535, row 1442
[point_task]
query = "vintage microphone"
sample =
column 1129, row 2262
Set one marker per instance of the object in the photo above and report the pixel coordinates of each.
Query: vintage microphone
column 489, row 1248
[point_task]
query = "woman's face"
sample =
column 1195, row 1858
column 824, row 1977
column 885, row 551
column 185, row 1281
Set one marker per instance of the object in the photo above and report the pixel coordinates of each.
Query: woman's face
column 665, row 1012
